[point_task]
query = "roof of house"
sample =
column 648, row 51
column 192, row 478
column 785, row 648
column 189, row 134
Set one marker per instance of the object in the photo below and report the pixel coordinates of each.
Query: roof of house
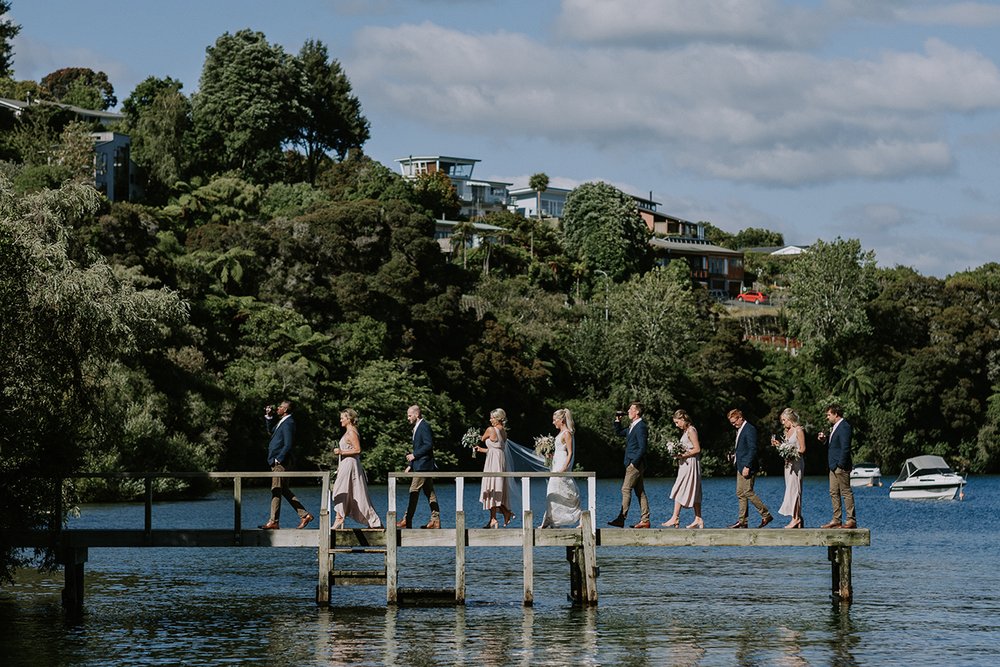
column 18, row 105
column 778, row 250
column 692, row 247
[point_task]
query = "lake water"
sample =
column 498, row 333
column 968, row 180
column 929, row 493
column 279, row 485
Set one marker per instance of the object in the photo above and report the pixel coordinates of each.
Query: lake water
column 926, row 593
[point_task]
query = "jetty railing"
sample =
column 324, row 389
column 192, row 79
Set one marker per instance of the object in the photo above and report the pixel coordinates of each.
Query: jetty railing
column 580, row 542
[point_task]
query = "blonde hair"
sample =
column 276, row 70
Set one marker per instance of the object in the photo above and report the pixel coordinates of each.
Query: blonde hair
column 791, row 415
column 351, row 414
column 565, row 416
column 500, row 416
column 683, row 416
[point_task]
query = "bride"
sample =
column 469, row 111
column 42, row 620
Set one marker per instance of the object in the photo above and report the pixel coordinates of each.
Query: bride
column 562, row 497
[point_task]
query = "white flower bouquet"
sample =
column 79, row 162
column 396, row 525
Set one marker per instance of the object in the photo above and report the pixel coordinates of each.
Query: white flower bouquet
column 545, row 446
column 675, row 448
column 470, row 440
column 789, row 450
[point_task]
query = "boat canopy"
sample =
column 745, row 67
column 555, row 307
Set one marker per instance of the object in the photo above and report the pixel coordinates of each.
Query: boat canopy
column 924, row 465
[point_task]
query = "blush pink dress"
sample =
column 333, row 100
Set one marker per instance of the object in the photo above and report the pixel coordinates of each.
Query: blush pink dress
column 350, row 492
column 687, row 487
column 495, row 490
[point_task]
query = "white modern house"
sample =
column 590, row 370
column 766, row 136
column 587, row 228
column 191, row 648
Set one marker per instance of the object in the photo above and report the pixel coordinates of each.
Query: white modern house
column 525, row 201
column 478, row 196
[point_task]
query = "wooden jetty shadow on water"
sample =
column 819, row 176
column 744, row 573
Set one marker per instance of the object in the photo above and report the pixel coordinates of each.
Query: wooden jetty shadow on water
column 581, row 543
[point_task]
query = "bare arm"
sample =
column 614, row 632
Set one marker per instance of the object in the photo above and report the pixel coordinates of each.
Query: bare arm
column 352, row 444
column 489, row 434
column 568, row 439
column 800, row 438
column 695, row 443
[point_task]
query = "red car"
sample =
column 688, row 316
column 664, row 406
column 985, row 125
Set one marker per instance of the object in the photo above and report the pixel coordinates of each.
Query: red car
column 751, row 296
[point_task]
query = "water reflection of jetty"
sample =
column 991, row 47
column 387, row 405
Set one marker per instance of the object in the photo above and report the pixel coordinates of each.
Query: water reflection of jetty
column 383, row 546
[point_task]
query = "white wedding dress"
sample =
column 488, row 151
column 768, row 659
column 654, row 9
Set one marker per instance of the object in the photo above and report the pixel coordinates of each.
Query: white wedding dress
column 562, row 496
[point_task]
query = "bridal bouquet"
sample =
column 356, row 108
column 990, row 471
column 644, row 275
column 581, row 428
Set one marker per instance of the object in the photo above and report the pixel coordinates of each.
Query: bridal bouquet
column 789, row 450
column 674, row 448
column 471, row 440
column 545, row 446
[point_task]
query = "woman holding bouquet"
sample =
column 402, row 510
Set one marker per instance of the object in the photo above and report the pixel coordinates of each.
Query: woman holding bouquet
column 350, row 490
column 687, row 487
column 792, row 448
column 562, row 497
column 495, row 490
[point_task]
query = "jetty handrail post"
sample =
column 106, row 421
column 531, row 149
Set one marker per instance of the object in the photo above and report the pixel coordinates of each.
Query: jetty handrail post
column 323, row 583
column 391, row 536
column 525, row 499
column 592, row 501
column 392, row 493
column 56, row 520
column 148, row 514
column 237, row 506
column 528, row 554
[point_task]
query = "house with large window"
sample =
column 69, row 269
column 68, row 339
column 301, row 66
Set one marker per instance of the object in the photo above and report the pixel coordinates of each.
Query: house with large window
column 712, row 266
column 114, row 171
column 525, row 201
column 477, row 196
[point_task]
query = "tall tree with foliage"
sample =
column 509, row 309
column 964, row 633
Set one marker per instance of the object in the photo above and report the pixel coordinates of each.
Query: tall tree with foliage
column 8, row 31
column 830, row 289
column 158, row 119
column 539, row 183
column 82, row 87
column 247, row 105
column 333, row 120
column 66, row 325
column 602, row 225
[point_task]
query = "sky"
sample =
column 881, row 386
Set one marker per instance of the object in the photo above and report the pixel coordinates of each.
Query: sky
column 877, row 120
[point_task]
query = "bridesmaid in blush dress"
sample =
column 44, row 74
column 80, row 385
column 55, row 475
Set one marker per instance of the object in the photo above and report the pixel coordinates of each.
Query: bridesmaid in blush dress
column 796, row 437
column 495, row 494
column 350, row 490
column 687, row 488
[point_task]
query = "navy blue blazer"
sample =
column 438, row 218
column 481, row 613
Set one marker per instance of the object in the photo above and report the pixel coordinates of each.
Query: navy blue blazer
column 423, row 448
column 746, row 448
column 838, row 451
column 282, row 435
column 635, row 442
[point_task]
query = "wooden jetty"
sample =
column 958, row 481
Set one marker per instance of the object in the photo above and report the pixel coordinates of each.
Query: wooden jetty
column 581, row 543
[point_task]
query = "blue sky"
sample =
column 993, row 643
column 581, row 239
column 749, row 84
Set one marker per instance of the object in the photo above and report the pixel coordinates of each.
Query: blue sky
column 853, row 118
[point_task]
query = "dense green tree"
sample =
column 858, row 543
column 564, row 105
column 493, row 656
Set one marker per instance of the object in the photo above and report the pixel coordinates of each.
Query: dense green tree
column 247, row 106
column 360, row 177
column 830, row 288
column 66, row 326
column 436, row 194
column 158, row 120
column 82, row 87
column 333, row 120
column 602, row 225
column 753, row 237
column 8, row 31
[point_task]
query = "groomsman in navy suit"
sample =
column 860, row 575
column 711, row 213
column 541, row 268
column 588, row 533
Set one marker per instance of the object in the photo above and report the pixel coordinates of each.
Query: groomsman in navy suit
column 421, row 460
column 636, row 436
column 279, row 457
column 746, row 470
column 838, row 456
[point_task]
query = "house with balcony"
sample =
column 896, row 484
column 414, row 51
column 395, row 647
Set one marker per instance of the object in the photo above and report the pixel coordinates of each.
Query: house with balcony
column 712, row 266
column 477, row 196
column 525, row 202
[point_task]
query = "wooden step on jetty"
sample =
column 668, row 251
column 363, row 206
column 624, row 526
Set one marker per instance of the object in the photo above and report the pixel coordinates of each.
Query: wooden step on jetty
column 382, row 546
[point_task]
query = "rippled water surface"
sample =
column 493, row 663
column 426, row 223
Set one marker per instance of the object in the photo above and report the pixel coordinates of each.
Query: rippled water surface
column 926, row 593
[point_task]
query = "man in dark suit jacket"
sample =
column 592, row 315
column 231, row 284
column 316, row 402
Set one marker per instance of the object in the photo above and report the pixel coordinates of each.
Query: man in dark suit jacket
column 636, row 436
column 421, row 460
column 838, row 457
column 746, row 470
column 279, row 457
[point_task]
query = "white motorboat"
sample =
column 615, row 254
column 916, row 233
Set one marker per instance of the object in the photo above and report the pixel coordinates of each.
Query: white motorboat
column 866, row 474
column 926, row 477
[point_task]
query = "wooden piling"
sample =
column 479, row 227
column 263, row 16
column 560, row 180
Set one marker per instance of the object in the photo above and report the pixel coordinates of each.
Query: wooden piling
column 325, row 558
column 73, row 560
column 589, row 554
column 840, row 573
column 460, row 537
column 391, row 544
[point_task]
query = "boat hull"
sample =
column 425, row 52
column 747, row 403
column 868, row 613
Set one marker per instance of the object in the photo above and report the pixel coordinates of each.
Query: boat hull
column 866, row 481
column 938, row 492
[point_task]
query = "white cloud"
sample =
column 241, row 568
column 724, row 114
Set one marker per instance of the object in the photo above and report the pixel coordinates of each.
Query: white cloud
column 665, row 23
column 963, row 14
column 730, row 112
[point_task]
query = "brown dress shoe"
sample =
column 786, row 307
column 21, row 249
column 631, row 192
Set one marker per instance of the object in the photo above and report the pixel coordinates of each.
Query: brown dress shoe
column 433, row 523
column 850, row 523
column 270, row 525
column 738, row 524
column 305, row 520
column 641, row 524
column 765, row 520
column 402, row 523
column 832, row 524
